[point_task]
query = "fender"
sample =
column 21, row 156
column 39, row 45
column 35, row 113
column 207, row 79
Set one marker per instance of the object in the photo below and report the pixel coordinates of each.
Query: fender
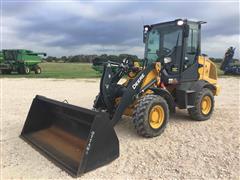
column 167, row 96
column 200, row 84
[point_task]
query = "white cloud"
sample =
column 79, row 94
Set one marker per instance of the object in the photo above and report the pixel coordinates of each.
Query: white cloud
column 217, row 45
column 214, row 13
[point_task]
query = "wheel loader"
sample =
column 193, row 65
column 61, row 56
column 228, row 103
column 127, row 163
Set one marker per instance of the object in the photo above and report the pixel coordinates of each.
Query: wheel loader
column 174, row 74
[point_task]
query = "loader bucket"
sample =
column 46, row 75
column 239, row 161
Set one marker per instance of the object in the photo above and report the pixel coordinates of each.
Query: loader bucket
column 76, row 139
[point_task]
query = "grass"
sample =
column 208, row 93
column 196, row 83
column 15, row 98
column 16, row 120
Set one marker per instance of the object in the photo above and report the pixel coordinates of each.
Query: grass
column 219, row 72
column 61, row 70
column 70, row 70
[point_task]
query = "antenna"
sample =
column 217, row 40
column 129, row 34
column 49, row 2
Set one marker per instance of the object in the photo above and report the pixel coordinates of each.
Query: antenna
column 142, row 20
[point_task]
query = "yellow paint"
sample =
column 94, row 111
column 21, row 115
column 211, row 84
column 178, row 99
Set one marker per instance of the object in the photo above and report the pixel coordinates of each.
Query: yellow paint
column 152, row 74
column 206, row 105
column 208, row 72
column 156, row 117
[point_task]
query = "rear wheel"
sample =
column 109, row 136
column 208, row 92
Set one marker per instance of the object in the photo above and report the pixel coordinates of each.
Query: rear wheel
column 150, row 116
column 26, row 70
column 204, row 105
column 38, row 70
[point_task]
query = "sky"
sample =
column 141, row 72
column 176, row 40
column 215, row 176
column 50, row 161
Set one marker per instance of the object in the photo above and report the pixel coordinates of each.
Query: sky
column 112, row 27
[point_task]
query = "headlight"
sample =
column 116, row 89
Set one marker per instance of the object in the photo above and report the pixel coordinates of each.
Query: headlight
column 180, row 22
column 146, row 29
column 167, row 60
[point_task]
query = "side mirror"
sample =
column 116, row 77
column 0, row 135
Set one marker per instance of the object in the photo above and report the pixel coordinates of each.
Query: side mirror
column 146, row 28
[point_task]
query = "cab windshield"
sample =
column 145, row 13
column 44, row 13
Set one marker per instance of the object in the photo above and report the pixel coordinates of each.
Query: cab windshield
column 162, row 41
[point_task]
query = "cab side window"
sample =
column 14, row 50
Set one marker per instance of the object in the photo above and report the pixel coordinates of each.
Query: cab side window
column 192, row 41
column 192, row 48
column 153, row 46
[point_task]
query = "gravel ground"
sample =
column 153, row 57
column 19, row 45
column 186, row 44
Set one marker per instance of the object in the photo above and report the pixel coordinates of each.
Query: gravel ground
column 186, row 150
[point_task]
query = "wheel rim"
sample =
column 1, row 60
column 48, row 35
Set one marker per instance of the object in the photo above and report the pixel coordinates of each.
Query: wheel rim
column 156, row 116
column 27, row 70
column 206, row 105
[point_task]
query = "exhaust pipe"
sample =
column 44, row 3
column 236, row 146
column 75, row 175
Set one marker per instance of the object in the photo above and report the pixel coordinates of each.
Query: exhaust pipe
column 76, row 139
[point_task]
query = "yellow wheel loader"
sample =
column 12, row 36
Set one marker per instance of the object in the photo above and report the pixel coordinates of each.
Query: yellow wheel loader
column 174, row 74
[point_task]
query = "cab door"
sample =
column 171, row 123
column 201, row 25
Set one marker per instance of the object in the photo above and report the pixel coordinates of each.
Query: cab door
column 189, row 66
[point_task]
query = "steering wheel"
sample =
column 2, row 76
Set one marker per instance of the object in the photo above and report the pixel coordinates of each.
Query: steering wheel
column 166, row 51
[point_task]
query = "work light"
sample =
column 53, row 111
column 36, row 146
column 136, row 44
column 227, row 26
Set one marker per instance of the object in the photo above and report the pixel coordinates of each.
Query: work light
column 180, row 22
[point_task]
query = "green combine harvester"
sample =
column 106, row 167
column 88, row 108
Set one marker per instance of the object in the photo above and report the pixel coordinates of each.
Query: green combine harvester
column 20, row 60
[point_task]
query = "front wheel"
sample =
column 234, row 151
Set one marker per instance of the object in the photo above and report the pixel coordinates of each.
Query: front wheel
column 150, row 115
column 204, row 105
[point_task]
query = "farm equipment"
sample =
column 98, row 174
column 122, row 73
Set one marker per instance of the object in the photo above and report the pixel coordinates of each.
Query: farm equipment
column 1, row 57
column 173, row 74
column 21, row 61
column 228, row 65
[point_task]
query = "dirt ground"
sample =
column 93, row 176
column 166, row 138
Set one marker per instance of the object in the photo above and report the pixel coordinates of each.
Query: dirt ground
column 186, row 150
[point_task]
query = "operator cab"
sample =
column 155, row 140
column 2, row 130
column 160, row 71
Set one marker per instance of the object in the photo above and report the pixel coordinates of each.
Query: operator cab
column 176, row 44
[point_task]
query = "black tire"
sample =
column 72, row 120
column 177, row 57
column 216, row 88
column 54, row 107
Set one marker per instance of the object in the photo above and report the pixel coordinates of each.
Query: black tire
column 196, row 113
column 38, row 70
column 26, row 70
column 141, row 115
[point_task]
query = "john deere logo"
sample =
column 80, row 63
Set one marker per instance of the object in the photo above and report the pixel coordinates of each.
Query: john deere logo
column 134, row 86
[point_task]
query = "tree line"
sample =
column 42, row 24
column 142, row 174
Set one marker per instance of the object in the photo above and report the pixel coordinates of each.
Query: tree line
column 99, row 59
column 95, row 59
